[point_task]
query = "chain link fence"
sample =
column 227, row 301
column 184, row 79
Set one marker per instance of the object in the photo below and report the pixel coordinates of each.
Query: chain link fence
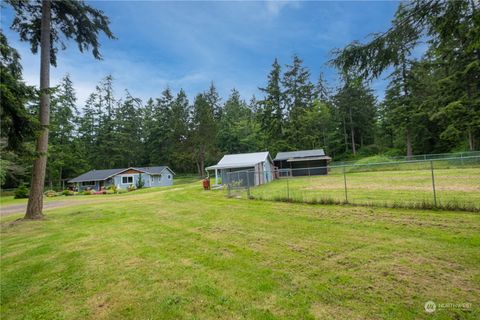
column 447, row 183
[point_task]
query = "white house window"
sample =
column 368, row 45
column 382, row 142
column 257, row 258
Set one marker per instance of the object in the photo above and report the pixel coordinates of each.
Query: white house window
column 127, row 180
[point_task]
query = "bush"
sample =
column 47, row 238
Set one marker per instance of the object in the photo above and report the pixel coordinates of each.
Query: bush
column 131, row 187
column 87, row 192
column 50, row 193
column 21, row 192
column 120, row 190
column 140, row 182
column 374, row 159
column 67, row 192
column 393, row 152
column 109, row 191
column 112, row 187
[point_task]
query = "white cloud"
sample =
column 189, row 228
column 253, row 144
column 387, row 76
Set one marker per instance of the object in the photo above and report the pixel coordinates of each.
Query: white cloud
column 275, row 7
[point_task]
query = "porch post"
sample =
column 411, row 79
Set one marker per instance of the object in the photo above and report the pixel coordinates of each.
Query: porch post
column 216, row 177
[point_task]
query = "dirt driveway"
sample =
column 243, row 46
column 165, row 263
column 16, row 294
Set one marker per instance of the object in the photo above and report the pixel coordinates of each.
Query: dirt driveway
column 21, row 208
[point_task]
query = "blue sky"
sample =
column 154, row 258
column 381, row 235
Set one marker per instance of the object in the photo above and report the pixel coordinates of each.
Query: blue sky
column 189, row 44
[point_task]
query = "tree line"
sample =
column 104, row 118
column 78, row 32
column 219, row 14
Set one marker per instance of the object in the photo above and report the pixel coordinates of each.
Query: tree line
column 431, row 105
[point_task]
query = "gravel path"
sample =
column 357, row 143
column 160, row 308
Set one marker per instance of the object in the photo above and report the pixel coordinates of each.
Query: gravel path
column 21, row 208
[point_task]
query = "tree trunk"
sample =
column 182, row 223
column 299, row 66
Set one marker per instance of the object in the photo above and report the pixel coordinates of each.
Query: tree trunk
column 345, row 133
column 409, row 144
column 35, row 200
column 352, row 133
column 471, row 143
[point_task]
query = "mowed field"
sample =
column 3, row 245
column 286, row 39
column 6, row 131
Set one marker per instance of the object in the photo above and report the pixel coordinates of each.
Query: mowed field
column 185, row 253
column 455, row 188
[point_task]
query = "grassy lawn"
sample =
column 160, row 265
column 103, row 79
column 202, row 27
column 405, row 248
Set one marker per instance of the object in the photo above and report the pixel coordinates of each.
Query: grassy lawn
column 178, row 181
column 459, row 187
column 184, row 253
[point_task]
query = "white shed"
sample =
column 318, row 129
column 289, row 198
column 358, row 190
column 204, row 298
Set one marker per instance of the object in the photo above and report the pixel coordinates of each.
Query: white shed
column 246, row 168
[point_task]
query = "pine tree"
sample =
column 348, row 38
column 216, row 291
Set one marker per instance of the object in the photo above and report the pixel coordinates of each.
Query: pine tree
column 271, row 112
column 203, row 136
column 127, row 132
column 33, row 21
column 298, row 98
column 179, row 155
column 65, row 158
column 16, row 122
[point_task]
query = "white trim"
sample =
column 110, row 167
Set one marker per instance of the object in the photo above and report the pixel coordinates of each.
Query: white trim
column 126, row 176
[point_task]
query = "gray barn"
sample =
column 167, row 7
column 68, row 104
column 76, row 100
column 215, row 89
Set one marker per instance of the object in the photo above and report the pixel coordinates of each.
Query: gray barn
column 302, row 163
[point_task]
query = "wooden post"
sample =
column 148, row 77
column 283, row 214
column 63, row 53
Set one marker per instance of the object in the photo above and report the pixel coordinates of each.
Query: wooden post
column 433, row 185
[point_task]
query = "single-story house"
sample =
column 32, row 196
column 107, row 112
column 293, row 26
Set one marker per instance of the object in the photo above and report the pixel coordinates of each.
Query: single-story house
column 302, row 163
column 245, row 168
column 122, row 178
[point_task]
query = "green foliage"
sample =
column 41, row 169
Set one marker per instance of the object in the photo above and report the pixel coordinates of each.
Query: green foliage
column 16, row 122
column 140, row 182
column 21, row 192
column 67, row 192
column 50, row 193
column 374, row 159
column 72, row 20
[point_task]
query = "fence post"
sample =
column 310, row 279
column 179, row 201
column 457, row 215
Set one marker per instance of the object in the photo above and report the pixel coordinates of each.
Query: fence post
column 288, row 187
column 229, row 186
column 248, row 184
column 433, row 185
column 345, row 183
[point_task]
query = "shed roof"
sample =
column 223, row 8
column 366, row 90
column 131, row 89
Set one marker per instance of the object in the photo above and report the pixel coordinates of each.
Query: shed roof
column 300, row 154
column 241, row 160
column 100, row 175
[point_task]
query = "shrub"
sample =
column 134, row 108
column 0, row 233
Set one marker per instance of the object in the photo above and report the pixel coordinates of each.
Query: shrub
column 374, row 159
column 120, row 190
column 112, row 187
column 131, row 187
column 21, row 192
column 109, row 191
column 140, row 182
column 50, row 193
column 67, row 192
column 87, row 192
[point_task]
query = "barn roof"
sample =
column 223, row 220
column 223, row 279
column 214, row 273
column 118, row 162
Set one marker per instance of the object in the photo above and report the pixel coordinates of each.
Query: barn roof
column 316, row 153
column 100, row 175
column 241, row 160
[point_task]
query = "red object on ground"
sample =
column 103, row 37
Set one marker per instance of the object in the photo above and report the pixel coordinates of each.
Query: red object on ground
column 206, row 184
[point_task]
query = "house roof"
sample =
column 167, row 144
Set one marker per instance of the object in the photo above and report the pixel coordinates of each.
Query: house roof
column 100, row 175
column 241, row 160
column 317, row 153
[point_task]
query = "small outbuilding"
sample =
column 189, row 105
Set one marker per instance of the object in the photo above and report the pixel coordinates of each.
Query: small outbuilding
column 247, row 169
column 302, row 162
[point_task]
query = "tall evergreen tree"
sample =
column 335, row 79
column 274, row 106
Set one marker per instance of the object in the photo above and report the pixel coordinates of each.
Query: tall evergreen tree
column 179, row 155
column 298, row 97
column 271, row 113
column 203, row 132
column 33, row 21
column 66, row 160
